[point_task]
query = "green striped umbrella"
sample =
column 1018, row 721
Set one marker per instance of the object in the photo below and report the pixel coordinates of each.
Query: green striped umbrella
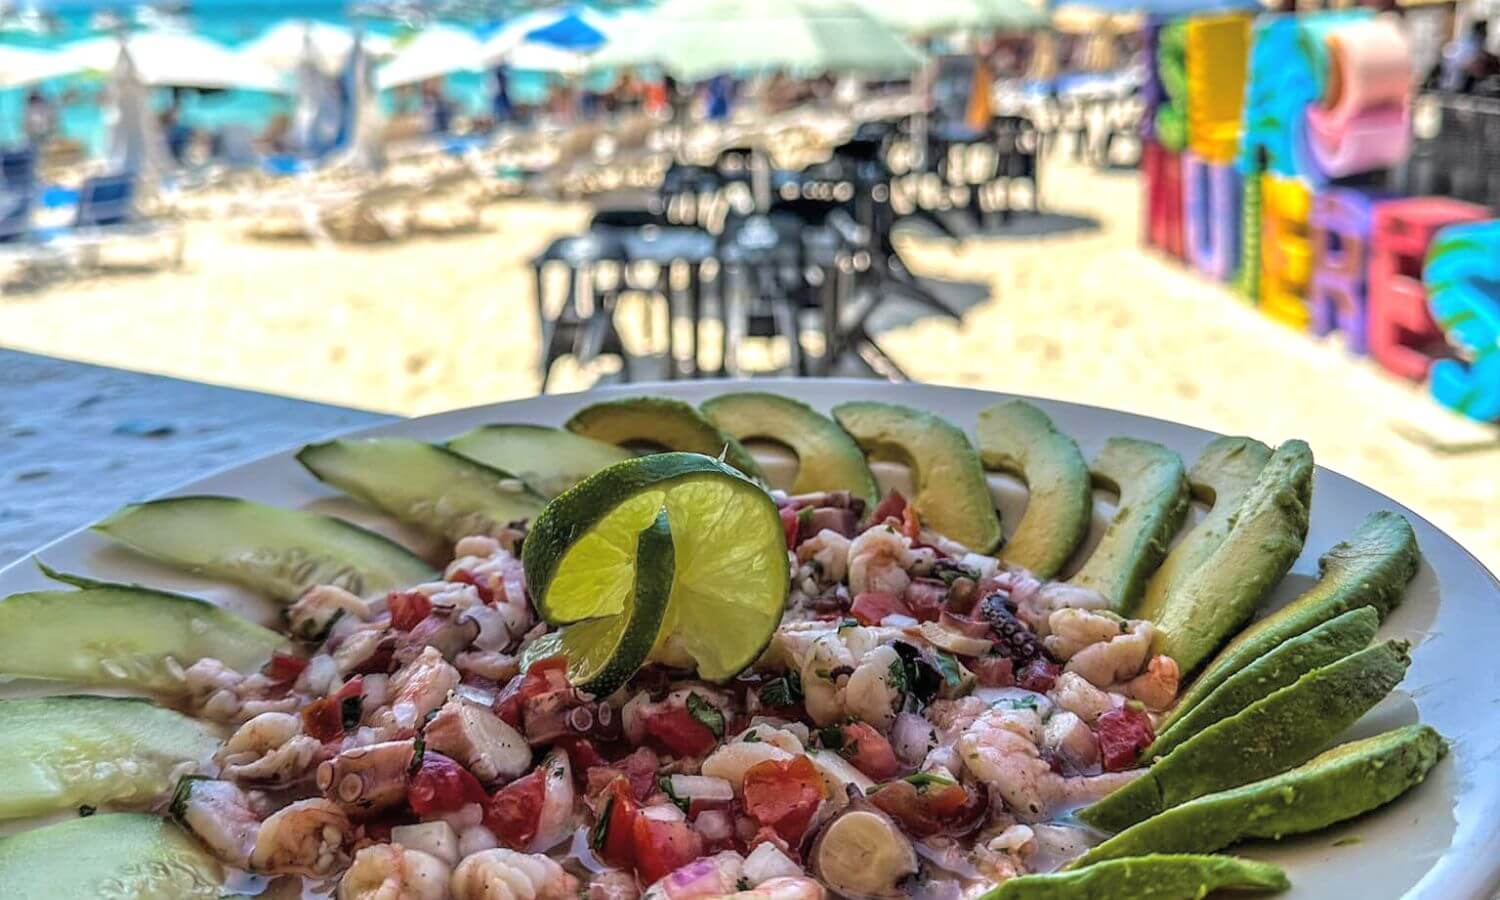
column 921, row 17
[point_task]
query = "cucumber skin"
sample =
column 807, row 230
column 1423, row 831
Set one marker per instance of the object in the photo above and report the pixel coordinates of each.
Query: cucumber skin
column 1371, row 568
column 1130, row 550
column 1151, row 877
column 545, row 473
column 1268, row 737
column 1321, row 646
column 108, row 854
column 1347, row 781
column 1266, row 536
column 129, row 727
column 1041, row 545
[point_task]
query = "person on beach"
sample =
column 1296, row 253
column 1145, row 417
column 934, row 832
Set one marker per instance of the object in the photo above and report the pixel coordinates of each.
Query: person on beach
column 38, row 119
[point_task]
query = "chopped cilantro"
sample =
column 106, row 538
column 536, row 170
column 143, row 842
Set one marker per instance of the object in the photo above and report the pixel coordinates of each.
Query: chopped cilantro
column 1024, row 703
column 898, row 676
column 419, row 749
column 848, row 623
column 831, row 736
column 923, row 780
column 804, row 517
column 948, row 667
column 600, row 832
column 783, row 691
column 665, row 783
column 707, row 714
column 751, row 737
column 350, row 711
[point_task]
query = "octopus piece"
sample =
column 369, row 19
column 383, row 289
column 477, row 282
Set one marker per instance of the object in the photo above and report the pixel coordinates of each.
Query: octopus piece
column 392, row 872
column 367, row 779
column 320, row 607
column 359, row 648
column 566, row 713
column 219, row 814
column 417, row 689
column 501, row 874
column 1157, row 686
column 444, row 631
column 481, row 740
column 497, row 667
column 269, row 749
column 308, row 837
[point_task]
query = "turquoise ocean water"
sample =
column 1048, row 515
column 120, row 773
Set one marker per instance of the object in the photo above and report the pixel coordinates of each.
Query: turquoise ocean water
column 231, row 22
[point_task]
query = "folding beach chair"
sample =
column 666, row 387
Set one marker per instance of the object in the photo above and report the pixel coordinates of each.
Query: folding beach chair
column 106, row 213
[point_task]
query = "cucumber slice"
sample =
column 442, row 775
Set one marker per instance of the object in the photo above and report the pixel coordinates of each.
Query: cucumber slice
column 1020, row 440
column 123, row 635
column 1153, row 493
column 110, row 855
column 550, row 460
column 827, row 458
column 952, row 495
column 433, row 488
column 58, row 752
column 279, row 552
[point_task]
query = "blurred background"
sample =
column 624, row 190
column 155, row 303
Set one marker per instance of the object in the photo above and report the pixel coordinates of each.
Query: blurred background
column 1210, row 211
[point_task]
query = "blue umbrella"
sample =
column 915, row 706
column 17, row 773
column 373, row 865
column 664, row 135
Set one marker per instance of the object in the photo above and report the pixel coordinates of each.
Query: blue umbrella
column 569, row 32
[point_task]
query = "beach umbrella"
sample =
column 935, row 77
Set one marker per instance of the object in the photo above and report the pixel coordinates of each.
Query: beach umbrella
column 701, row 38
column 630, row 40
column 1167, row 8
column 135, row 141
column 176, row 59
column 19, row 67
column 576, row 30
column 284, row 46
column 317, row 108
column 363, row 121
column 435, row 51
column 933, row 16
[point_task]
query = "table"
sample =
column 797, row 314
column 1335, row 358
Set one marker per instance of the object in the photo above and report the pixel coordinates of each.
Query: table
column 77, row 441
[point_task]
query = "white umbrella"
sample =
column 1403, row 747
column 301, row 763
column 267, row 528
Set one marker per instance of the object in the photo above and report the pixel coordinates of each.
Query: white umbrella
column 136, row 143
column 283, row 46
column 436, row 51
column 315, row 115
column 534, row 57
column 364, row 120
column 632, row 39
column 19, row 67
column 177, row 59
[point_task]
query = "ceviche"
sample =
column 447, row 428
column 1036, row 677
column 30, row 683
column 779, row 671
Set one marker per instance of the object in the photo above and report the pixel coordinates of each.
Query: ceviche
column 655, row 676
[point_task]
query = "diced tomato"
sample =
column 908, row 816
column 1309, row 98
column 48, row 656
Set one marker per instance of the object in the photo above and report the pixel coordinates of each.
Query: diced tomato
column 582, row 756
column 926, row 597
column 324, row 719
column 784, row 795
column 1123, row 734
column 514, row 813
column 675, row 731
column 791, row 524
column 464, row 576
column 994, row 671
column 616, row 844
column 545, row 675
column 442, row 785
column 911, row 524
column 871, row 607
column 285, row 668
column 892, row 507
column 1038, row 675
column 931, row 808
column 663, row 845
column 868, row 751
column 407, row 609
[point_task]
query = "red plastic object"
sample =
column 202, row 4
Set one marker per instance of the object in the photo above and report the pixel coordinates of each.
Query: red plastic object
column 1163, row 185
column 1403, row 336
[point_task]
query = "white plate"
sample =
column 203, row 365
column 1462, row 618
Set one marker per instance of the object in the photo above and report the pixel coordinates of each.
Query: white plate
column 1442, row 840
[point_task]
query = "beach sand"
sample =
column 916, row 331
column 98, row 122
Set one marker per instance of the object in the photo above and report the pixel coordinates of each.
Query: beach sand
column 444, row 321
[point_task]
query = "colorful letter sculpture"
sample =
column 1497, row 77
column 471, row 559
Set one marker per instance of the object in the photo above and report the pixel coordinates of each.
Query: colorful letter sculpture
column 1217, row 50
column 1151, row 89
column 1286, row 250
column 1463, row 289
column 1163, row 184
column 1248, row 280
column 1341, row 222
column 1211, row 216
column 1171, row 68
column 1403, row 336
column 1360, row 123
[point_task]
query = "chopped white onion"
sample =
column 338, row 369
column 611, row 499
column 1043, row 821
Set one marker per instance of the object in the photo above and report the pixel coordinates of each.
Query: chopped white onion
column 474, row 839
column 435, row 838
column 701, row 787
column 475, row 695
column 376, row 690
column 767, row 861
column 318, row 678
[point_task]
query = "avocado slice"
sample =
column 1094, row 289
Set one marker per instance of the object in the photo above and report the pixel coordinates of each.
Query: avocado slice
column 951, row 494
column 1020, row 440
column 663, row 422
column 827, row 458
column 1347, row 781
column 1220, row 477
column 1269, row 736
column 108, row 855
column 549, row 460
column 432, row 488
column 1206, row 607
column 1371, row 568
column 1153, row 493
column 1156, row 877
column 1328, row 643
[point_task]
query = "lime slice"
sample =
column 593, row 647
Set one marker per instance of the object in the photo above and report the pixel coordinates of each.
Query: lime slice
column 603, row 653
column 730, row 577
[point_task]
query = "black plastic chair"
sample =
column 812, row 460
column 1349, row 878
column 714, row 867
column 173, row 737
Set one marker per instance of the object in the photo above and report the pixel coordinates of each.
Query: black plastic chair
column 583, row 323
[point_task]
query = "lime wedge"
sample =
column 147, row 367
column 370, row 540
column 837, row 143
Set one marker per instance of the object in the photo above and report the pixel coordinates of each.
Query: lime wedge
column 603, row 653
column 729, row 576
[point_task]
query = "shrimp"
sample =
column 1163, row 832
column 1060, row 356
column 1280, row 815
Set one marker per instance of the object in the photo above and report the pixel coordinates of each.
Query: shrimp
column 828, row 552
column 1120, row 658
column 1074, row 694
column 219, row 814
column 1073, row 630
column 368, row 778
column 1000, row 748
column 416, row 690
column 822, row 685
column 270, row 749
column 501, row 874
column 878, row 560
column 1035, row 602
column 1157, row 686
column 785, row 888
column 309, row 837
column 322, row 605
column 871, row 694
column 392, row 872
